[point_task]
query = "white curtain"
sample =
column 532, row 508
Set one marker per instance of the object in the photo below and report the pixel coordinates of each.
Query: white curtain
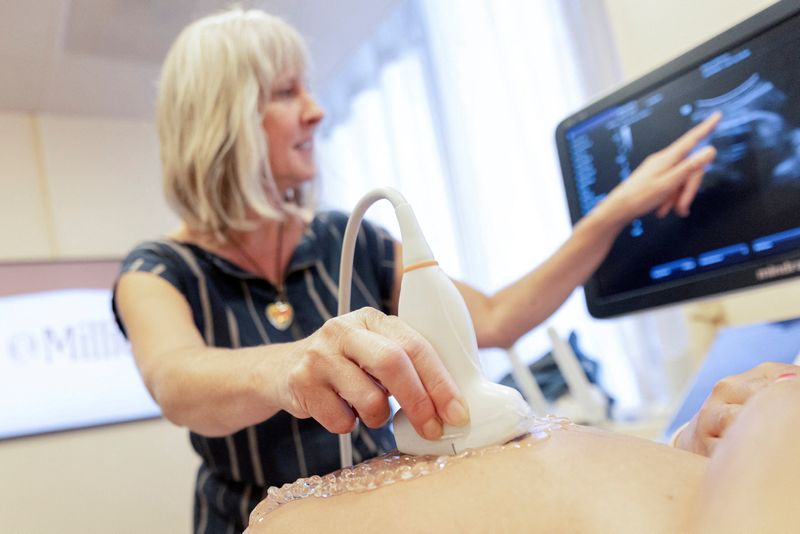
column 454, row 103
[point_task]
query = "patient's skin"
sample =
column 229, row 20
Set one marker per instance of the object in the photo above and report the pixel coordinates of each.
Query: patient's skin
column 393, row 468
column 577, row 480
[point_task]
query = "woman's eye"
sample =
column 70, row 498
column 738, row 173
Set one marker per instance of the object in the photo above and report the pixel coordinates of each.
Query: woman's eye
column 285, row 92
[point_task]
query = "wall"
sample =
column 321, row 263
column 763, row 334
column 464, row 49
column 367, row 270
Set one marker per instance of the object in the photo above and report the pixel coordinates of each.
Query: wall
column 649, row 33
column 87, row 187
column 78, row 186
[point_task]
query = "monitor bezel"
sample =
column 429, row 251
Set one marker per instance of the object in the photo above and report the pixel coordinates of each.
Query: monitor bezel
column 713, row 283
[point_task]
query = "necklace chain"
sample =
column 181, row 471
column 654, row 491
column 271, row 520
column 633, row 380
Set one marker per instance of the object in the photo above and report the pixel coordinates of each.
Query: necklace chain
column 279, row 285
column 280, row 313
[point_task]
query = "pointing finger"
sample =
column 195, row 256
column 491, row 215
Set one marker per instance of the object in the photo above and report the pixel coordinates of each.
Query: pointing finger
column 681, row 147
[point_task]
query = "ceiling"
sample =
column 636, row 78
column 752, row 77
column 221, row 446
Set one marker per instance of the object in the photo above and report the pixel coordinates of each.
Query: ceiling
column 102, row 57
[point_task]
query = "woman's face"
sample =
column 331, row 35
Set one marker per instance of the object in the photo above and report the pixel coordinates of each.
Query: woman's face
column 290, row 118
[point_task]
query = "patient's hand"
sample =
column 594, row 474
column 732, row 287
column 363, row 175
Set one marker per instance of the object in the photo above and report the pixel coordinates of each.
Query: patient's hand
column 721, row 408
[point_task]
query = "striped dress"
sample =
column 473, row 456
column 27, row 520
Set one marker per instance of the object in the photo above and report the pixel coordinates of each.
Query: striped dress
column 228, row 306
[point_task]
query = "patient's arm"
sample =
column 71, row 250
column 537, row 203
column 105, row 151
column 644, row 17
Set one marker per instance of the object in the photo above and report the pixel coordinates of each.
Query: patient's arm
column 753, row 481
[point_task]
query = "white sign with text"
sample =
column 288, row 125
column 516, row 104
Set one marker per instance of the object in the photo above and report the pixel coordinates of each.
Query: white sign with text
column 64, row 364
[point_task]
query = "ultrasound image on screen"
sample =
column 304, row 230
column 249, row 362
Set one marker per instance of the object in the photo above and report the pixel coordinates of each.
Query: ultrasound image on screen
column 748, row 206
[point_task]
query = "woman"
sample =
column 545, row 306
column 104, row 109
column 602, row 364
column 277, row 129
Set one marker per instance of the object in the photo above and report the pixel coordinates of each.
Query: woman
column 581, row 480
column 231, row 317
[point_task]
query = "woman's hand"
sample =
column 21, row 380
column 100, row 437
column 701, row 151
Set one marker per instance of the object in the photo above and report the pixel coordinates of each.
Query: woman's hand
column 715, row 417
column 350, row 366
column 666, row 180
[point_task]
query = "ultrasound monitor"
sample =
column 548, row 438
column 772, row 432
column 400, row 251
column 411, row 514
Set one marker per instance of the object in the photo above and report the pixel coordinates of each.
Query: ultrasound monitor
column 744, row 225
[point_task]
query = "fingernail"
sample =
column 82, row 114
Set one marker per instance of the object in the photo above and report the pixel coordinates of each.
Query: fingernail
column 432, row 429
column 457, row 414
column 703, row 153
column 786, row 376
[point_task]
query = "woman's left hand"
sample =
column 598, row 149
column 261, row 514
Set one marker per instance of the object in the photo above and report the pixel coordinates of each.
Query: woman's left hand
column 666, row 180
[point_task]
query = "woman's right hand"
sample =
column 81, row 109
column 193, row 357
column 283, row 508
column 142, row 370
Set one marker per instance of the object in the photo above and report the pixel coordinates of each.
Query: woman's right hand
column 353, row 363
column 666, row 180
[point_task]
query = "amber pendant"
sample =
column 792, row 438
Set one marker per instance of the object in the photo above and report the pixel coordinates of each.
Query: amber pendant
column 280, row 314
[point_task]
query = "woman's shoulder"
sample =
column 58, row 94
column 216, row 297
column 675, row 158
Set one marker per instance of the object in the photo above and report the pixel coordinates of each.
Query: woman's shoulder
column 159, row 255
column 327, row 228
column 163, row 249
column 330, row 218
column 335, row 221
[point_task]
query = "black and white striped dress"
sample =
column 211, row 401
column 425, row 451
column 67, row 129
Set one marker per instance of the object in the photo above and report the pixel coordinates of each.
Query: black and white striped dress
column 228, row 305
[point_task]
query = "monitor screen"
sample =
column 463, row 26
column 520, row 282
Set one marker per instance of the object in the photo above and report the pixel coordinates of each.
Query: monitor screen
column 744, row 225
column 63, row 362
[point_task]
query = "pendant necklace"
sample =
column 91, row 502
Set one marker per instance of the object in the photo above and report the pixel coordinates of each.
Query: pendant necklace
column 280, row 312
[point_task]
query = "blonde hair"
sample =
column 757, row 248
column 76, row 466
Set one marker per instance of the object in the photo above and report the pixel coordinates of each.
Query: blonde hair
column 215, row 82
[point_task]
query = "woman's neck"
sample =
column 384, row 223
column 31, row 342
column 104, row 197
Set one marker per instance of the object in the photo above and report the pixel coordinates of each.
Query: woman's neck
column 265, row 250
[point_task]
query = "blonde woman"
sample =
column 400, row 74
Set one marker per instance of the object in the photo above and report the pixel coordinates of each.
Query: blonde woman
column 231, row 316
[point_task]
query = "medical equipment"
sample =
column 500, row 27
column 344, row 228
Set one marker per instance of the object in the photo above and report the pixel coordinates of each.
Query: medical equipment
column 744, row 227
column 431, row 304
column 593, row 403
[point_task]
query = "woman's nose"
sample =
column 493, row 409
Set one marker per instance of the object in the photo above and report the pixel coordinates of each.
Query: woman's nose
column 312, row 112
